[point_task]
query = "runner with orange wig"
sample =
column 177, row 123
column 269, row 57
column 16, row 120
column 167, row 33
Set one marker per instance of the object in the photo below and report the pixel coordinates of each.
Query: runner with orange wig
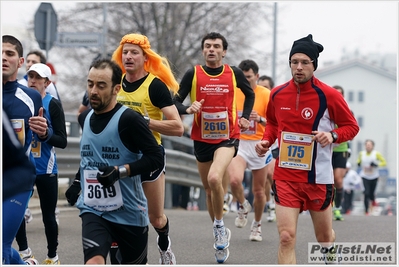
column 147, row 84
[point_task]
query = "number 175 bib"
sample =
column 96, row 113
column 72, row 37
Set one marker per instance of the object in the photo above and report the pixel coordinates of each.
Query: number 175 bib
column 296, row 151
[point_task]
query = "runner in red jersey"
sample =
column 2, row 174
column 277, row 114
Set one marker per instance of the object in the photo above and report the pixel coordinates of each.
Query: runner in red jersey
column 302, row 114
column 216, row 126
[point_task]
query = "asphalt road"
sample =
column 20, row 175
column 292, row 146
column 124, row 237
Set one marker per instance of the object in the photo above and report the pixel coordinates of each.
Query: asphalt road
column 192, row 240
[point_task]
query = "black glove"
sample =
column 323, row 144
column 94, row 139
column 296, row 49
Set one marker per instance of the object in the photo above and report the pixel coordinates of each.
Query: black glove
column 109, row 176
column 73, row 192
column 373, row 164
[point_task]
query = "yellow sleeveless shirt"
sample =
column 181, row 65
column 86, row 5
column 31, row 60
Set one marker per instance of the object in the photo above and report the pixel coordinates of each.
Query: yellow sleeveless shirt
column 140, row 101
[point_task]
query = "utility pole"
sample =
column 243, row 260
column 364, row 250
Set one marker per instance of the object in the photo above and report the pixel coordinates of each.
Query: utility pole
column 274, row 54
column 105, row 31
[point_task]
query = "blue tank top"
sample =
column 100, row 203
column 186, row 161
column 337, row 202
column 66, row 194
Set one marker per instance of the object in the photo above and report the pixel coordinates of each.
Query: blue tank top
column 43, row 153
column 107, row 149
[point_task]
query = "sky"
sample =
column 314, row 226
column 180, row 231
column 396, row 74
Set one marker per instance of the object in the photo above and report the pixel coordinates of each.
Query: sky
column 369, row 26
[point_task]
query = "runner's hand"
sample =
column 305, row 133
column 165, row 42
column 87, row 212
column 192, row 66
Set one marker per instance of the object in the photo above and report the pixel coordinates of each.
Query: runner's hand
column 262, row 147
column 108, row 176
column 73, row 192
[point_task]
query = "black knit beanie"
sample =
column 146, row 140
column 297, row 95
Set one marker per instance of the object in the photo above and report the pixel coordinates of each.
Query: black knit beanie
column 307, row 46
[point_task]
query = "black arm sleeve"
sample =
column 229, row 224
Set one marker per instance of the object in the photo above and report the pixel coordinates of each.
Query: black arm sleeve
column 160, row 95
column 246, row 88
column 137, row 137
column 59, row 137
column 184, row 90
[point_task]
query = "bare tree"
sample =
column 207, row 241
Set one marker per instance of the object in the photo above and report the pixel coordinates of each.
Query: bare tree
column 175, row 31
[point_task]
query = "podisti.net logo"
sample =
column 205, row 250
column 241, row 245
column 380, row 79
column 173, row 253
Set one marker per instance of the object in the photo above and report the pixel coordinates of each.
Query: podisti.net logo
column 353, row 252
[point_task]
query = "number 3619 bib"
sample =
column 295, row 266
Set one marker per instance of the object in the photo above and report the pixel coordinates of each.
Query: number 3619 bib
column 296, row 151
column 98, row 197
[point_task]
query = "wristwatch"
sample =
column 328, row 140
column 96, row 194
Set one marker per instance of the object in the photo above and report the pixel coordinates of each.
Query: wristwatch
column 122, row 171
column 261, row 120
column 334, row 136
column 147, row 119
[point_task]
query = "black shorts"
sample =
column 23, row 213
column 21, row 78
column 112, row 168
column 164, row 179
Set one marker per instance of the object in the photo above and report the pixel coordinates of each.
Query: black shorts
column 153, row 176
column 98, row 234
column 339, row 159
column 275, row 152
column 204, row 151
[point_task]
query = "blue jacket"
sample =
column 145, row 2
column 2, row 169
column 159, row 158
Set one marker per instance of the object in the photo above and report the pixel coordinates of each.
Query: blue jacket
column 20, row 103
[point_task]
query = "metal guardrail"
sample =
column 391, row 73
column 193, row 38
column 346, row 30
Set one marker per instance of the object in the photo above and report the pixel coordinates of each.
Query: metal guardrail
column 181, row 166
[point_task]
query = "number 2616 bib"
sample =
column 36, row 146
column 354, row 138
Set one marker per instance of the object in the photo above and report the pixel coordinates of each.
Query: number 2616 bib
column 296, row 151
column 215, row 125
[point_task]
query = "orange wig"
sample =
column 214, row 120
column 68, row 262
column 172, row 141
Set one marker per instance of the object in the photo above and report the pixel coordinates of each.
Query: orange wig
column 156, row 65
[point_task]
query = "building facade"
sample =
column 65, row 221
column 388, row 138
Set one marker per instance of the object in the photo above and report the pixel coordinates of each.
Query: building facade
column 372, row 95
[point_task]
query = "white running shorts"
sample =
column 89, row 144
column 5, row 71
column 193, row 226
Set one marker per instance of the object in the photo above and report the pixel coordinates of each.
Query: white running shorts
column 246, row 150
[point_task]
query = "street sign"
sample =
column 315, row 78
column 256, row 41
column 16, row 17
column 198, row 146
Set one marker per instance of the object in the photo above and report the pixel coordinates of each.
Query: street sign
column 46, row 26
column 79, row 39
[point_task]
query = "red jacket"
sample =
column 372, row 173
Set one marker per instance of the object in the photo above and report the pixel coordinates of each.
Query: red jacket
column 312, row 106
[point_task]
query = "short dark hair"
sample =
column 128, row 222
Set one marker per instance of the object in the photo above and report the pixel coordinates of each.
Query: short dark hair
column 265, row 77
column 248, row 64
column 14, row 41
column 39, row 54
column 339, row 87
column 108, row 63
column 214, row 36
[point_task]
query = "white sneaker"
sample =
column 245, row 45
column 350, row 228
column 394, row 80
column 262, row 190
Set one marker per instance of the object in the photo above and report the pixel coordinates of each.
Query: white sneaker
column 271, row 212
column 226, row 208
column 221, row 255
column 51, row 261
column 228, row 198
column 256, row 233
column 222, row 237
column 31, row 261
column 26, row 254
column 167, row 256
column 28, row 216
column 272, row 216
column 242, row 214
